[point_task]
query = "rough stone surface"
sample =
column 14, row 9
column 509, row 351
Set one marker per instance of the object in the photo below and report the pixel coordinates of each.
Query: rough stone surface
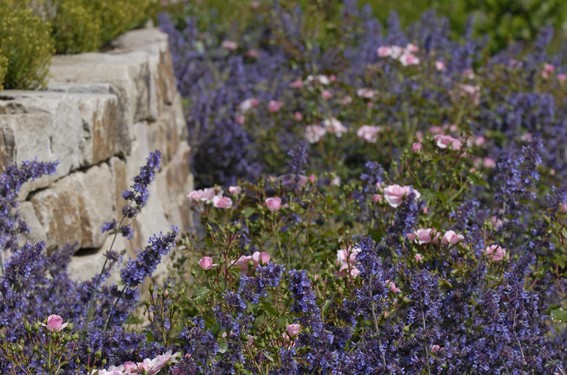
column 100, row 117
column 73, row 209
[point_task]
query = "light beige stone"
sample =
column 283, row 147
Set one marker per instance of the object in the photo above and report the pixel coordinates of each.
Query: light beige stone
column 73, row 209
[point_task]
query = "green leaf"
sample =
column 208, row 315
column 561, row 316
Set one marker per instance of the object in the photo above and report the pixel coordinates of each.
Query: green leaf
column 559, row 314
column 248, row 211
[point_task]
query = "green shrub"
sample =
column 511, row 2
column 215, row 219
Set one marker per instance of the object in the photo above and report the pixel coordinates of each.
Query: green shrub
column 76, row 28
column 3, row 68
column 87, row 25
column 119, row 16
column 25, row 42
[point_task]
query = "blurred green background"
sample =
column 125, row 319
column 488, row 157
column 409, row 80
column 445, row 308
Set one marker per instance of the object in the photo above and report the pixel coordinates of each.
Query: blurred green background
column 32, row 30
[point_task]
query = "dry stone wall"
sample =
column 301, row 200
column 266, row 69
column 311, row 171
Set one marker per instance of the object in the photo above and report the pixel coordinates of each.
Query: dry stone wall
column 100, row 116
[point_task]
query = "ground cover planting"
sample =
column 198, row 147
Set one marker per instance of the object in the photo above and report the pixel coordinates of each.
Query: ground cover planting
column 393, row 202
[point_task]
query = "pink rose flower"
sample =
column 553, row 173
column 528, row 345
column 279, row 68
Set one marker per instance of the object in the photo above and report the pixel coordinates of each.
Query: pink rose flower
column 408, row 59
column 418, row 257
column 229, row 45
column 548, row 69
column 243, row 263
column 248, row 104
column 234, row 190
column 368, row 133
column 298, row 116
column 435, row 348
column 395, row 194
column 451, row 238
column 346, row 100
column 446, row 141
column 326, row 94
column 252, row 53
column 55, row 323
column 240, row 119
column 222, row 202
column 384, row 51
column 471, row 92
column 495, row 253
column 412, row 48
column 396, row 52
column 488, row 163
column 440, row 66
column 275, row 106
column 297, row 84
column 422, row 236
column 563, row 208
column 314, row 133
column 261, row 258
column 366, row 93
column 203, row 195
column 562, row 77
column 416, row 147
column 334, row 126
column 293, row 330
column 274, row 203
column 206, row 263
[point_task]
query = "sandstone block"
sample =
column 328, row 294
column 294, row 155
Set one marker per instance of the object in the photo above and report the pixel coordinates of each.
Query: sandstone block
column 73, row 209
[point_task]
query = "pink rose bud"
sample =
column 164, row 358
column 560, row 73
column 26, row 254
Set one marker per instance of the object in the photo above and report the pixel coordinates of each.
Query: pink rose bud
column 548, row 68
column 440, row 66
column 332, row 78
column 229, row 45
column 451, row 238
column 234, row 190
column 252, row 53
column 298, row 116
column 293, row 330
column 563, row 208
column 326, row 94
column 418, row 257
column 275, row 106
column 312, row 178
column 392, row 286
column 354, row 272
column 416, row 147
column 346, row 100
column 488, row 163
column 435, row 348
column 222, row 202
column 55, row 323
column 436, row 130
column 562, row 77
column 240, row 119
column 297, row 84
column 377, row 198
column 206, row 263
column 274, row 204
column 495, row 253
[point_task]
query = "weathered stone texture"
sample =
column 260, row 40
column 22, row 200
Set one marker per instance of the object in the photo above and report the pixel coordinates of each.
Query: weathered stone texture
column 100, row 117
